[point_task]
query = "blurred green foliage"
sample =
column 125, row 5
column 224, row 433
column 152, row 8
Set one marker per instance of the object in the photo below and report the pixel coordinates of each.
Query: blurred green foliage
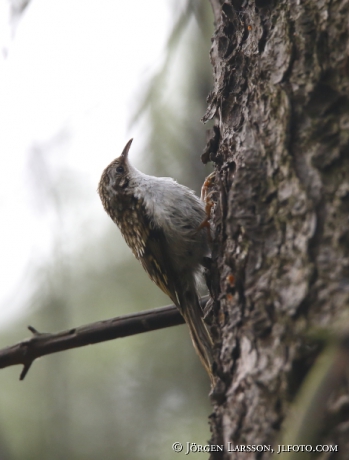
column 175, row 101
column 132, row 397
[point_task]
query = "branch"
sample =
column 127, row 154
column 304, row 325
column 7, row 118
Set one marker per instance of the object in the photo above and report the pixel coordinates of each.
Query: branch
column 42, row 344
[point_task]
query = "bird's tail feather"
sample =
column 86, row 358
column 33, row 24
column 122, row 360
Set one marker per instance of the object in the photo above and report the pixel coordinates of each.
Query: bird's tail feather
column 202, row 341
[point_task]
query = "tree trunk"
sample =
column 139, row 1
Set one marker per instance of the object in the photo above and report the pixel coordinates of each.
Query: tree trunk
column 281, row 248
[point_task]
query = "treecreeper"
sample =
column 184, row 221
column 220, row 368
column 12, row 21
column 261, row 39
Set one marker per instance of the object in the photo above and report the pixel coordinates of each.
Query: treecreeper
column 162, row 223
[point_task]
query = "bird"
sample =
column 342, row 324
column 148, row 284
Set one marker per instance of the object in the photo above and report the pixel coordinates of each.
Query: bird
column 161, row 221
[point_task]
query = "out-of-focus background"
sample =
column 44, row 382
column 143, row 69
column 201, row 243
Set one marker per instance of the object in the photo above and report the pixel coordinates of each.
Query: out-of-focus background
column 77, row 80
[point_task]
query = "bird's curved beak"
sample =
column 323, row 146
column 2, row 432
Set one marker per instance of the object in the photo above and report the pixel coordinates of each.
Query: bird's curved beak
column 124, row 154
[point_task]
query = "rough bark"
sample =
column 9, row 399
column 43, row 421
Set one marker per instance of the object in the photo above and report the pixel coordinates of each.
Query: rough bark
column 281, row 250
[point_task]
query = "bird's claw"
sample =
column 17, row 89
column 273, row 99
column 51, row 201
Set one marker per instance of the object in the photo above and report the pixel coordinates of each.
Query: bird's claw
column 205, row 197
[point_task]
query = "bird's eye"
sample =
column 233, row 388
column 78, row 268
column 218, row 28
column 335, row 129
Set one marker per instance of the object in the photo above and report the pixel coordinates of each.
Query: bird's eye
column 120, row 169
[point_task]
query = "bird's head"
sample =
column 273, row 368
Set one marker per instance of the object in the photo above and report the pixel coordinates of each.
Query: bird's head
column 116, row 175
column 115, row 178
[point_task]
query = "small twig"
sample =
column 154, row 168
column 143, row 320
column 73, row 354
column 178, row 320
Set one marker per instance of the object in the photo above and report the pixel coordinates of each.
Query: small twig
column 25, row 370
column 33, row 330
column 28, row 350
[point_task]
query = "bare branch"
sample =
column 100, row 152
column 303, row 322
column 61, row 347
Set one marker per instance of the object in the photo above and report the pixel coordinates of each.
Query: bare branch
column 42, row 344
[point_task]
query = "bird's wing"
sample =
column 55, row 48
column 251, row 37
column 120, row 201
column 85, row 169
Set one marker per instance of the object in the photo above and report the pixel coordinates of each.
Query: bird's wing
column 149, row 245
column 157, row 264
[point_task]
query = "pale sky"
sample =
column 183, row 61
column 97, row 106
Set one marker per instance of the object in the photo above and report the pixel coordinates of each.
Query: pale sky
column 76, row 66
